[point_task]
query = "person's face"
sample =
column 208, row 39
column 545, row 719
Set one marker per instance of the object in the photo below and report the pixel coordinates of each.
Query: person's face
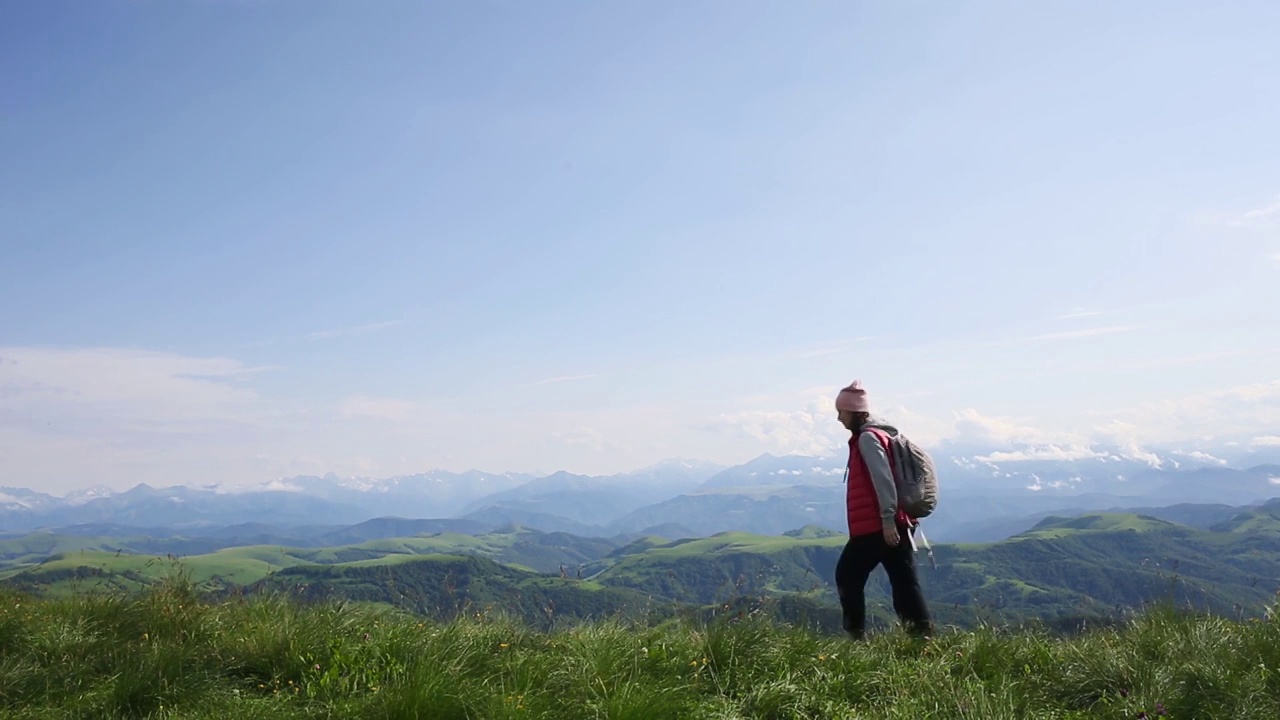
column 848, row 419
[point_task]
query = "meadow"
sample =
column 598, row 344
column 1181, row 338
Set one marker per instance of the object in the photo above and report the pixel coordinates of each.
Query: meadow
column 170, row 653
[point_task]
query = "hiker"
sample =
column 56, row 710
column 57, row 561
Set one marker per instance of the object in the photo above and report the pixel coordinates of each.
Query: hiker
column 879, row 532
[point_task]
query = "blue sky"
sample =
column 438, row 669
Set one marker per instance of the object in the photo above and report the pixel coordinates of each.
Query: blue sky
column 259, row 238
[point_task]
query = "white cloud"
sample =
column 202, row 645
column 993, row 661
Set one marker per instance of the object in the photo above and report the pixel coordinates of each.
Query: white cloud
column 1235, row 411
column 1049, row 452
column 122, row 388
column 801, row 432
column 78, row 417
column 1203, row 457
column 1041, row 454
column 1127, row 433
column 1124, row 437
column 973, row 426
column 814, row 430
column 1038, row 485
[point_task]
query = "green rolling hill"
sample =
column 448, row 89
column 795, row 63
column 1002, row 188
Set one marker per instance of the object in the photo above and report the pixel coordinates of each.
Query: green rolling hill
column 531, row 549
column 1095, row 565
column 443, row 586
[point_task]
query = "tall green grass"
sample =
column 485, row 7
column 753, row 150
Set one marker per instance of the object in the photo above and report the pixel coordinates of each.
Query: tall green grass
column 168, row 654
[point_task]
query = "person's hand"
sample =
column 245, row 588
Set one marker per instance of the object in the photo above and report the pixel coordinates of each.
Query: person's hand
column 891, row 536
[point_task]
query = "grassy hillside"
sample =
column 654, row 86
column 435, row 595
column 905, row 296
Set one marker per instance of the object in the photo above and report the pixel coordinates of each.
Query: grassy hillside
column 58, row 563
column 444, row 586
column 167, row 654
column 1093, row 565
column 100, row 571
column 1097, row 566
column 1055, row 526
column 1264, row 520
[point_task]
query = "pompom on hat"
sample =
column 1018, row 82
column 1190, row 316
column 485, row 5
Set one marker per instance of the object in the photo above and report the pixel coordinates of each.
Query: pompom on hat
column 853, row 398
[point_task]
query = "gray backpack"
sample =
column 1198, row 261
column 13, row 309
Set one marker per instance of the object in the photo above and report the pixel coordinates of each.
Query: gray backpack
column 915, row 475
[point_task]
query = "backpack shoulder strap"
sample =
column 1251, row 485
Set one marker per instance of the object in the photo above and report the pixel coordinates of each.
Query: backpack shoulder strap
column 886, row 442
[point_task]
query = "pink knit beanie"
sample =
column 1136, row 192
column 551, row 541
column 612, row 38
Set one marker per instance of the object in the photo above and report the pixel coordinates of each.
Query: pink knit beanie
column 853, row 398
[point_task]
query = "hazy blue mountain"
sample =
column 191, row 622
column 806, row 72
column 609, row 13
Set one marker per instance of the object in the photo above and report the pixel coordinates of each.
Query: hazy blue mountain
column 431, row 494
column 394, row 527
column 767, row 510
column 502, row 518
column 179, row 506
column 774, row 470
column 18, row 500
column 987, row 493
column 597, row 500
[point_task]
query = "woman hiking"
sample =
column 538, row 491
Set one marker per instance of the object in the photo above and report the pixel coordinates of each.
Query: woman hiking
column 878, row 529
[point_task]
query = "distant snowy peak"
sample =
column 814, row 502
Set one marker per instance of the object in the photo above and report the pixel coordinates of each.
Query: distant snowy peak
column 80, row 497
column 780, row 469
column 386, row 484
column 23, row 499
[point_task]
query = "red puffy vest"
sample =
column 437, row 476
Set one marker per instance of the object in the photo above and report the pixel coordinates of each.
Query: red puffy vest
column 862, row 507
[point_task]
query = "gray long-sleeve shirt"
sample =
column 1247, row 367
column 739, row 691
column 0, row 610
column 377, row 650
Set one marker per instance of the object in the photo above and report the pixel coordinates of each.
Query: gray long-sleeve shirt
column 877, row 461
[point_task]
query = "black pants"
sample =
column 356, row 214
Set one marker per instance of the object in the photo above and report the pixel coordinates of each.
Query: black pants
column 860, row 557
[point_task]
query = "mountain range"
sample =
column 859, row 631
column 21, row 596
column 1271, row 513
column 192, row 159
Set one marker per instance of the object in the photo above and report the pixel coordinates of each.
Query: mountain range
column 986, row 494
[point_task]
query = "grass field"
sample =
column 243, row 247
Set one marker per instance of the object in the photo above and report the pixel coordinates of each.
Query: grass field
column 166, row 654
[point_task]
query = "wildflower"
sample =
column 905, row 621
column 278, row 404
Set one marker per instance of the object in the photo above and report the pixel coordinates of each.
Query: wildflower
column 1160, row 710
column 504, row 646
column 822, row 658
column 1124, row 693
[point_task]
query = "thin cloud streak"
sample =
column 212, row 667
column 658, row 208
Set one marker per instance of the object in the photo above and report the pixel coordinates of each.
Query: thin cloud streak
column 328, row 334
column 1256, row 218
column 1088, row 332
column 353, row 330
column 565, row 379
column 1262, row 212
column 1079, row 314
